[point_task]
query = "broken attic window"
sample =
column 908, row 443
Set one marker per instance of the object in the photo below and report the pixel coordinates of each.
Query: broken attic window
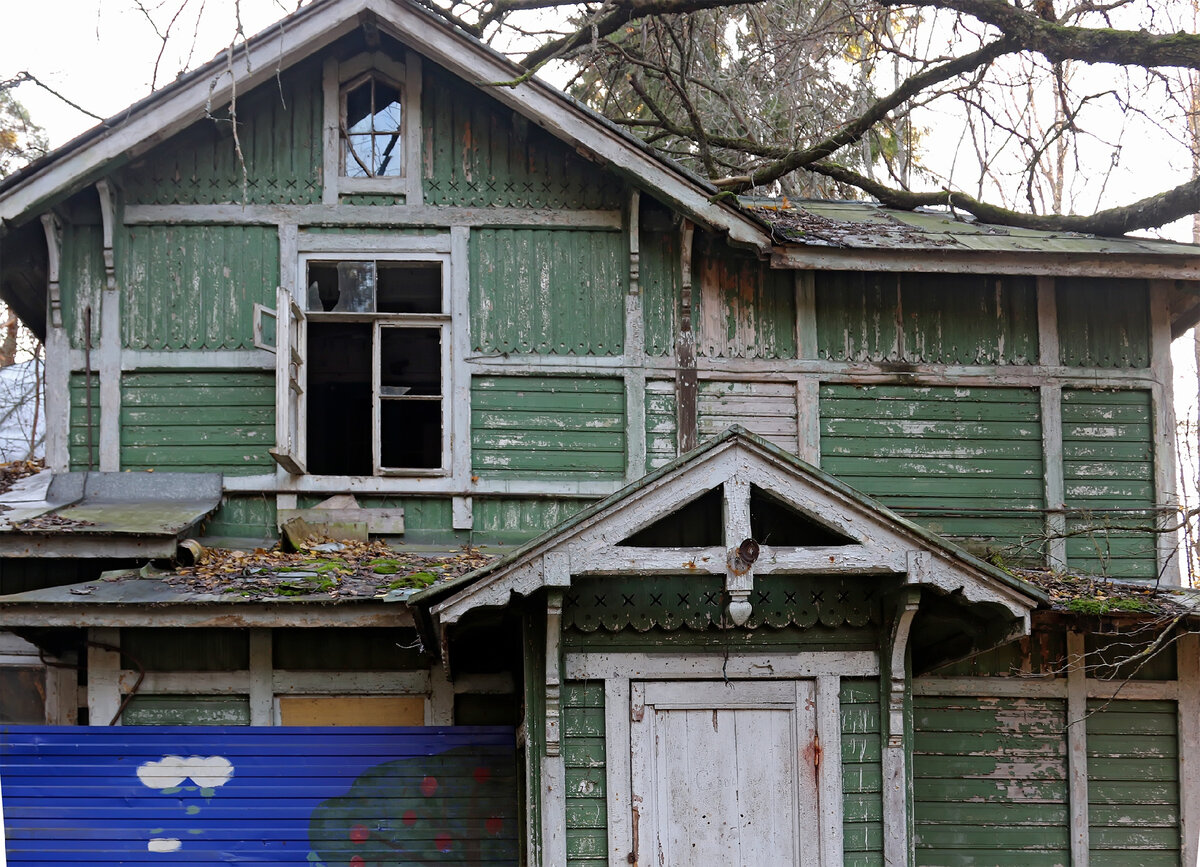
column 371, row 129
column 699, row 524
column 774, row 522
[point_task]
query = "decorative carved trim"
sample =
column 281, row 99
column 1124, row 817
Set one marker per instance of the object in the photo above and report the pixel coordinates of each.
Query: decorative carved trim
column 53, row 230
column 554, row 606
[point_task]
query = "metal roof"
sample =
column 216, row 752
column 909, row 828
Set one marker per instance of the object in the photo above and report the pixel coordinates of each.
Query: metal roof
column 868, row 226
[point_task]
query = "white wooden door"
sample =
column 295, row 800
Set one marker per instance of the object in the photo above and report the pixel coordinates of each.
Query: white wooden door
column 724, row 773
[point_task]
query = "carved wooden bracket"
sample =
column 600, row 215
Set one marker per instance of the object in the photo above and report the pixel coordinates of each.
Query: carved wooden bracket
column 107, row 210
column 53, row 230
column 899, row 651
column 554, row 602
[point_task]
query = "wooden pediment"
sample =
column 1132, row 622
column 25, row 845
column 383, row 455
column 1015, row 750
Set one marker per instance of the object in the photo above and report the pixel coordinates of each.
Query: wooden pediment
column 737, row 507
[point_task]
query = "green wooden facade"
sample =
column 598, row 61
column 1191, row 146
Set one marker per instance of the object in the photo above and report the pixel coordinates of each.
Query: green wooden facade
column 581, row 324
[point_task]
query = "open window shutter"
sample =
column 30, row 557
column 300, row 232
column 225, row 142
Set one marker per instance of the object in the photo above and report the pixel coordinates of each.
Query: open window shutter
column 291, row 340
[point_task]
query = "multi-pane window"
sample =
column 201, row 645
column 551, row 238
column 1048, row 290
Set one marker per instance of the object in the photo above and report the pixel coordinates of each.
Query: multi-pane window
column 377, row 366
column 372, row 129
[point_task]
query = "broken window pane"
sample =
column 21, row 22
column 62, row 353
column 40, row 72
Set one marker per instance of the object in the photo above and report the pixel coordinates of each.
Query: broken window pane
column 356, row 287
column 410, row 362
column 411, row 433
column 371, row 130
column 409, row 287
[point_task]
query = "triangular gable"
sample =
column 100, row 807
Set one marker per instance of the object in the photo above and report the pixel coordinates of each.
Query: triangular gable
column 317, row 25
column 870, row 540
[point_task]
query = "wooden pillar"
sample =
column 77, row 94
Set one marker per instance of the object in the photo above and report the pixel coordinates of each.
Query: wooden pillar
column 1077, row 788
column 1189, row 746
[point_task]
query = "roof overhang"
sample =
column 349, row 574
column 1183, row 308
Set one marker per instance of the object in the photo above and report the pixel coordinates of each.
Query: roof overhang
column 1027, row 263
column 153, row 602
column 158, row 117
column 881, row 544
column 105, row 515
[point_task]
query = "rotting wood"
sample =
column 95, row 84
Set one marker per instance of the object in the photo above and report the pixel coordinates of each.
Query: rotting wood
column 685, row 350
column 1077, row 758
column 1188, row 665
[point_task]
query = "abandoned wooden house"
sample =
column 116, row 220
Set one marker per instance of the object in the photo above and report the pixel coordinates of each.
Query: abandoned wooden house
column 632, row 525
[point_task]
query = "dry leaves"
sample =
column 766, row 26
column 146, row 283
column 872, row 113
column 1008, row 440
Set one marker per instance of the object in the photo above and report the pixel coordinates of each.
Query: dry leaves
column 328, row 569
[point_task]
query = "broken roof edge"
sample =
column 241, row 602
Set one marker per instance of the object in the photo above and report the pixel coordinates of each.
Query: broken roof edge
column 72, row 166
column 431, row 601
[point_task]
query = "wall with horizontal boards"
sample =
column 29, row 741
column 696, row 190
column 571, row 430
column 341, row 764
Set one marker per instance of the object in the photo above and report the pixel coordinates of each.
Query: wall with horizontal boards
column 547, row 427
column 198, row 421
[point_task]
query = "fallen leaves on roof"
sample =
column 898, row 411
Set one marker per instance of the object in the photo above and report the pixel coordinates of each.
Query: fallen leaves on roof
column 1085, row 594
column 328, row 569
column 13, row 471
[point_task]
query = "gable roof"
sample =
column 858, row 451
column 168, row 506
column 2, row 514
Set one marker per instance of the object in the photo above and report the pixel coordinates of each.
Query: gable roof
column 157, row 117
column 592, row 541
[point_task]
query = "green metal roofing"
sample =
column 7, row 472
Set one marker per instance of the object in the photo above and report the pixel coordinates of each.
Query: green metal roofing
column 868, row 226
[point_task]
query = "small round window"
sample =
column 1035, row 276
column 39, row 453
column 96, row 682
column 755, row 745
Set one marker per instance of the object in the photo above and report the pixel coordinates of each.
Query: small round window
column 371, row 130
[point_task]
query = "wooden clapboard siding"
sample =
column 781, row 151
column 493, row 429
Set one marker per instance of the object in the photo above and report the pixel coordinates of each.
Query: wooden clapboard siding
column 244, row 516
column 926, row 318
column 511, row 521
column 765, row 408
column 547, row 427
column 548, row 292
column 81, row 280
column 477, row 154
column 77, row 442
column 964, row 461
column 744, row 309
column 279, row 130
column 295, row 796
column 862, row 774
column 662, row 439
column 194, row 287
column 1133, row 783
column 583, row 752
column 198, row 421
column 1108, row 475
column 1103, row 322
column 990, row 782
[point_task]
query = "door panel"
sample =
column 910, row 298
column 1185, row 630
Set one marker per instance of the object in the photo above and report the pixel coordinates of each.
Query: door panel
column 720, row 774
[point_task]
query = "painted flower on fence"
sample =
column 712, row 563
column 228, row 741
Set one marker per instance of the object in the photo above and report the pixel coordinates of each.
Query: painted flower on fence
column 455, row 807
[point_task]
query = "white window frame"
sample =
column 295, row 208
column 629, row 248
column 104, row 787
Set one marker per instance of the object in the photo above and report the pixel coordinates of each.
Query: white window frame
column 406, row 76
column 443, row 321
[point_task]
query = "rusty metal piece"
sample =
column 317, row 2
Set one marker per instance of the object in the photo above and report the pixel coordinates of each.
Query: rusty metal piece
column 743, row 556
column 190, row 552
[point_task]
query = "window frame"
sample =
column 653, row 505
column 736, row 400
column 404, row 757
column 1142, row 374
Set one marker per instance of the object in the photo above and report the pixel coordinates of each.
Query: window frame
column 341, row 76
column 442, row 321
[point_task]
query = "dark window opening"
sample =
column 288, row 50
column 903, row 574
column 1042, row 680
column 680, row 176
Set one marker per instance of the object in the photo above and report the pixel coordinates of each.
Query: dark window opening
column 339, row 398
column 699, row 524
column 774, row 522
column 409, row 287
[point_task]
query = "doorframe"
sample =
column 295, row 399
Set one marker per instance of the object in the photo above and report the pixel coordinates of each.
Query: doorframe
column 616, row 670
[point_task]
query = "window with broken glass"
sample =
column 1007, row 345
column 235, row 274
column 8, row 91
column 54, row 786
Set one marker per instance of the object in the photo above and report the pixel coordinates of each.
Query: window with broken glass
column 377, row 360
column 372, row 130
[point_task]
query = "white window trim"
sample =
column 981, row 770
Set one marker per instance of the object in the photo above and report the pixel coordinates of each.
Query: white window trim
column 450, row 322
column 407, row 76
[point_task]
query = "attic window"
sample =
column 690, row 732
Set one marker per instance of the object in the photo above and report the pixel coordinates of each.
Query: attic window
column 372, row 129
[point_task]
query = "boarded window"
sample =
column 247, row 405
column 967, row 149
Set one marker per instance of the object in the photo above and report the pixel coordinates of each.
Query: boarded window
column 351, row 710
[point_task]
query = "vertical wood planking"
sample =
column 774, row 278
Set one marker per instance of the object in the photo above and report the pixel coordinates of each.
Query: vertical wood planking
column 617, row 775
column 1166, row 434
column 262, row 692
column 330, row 145
column 829, row 773
column 1052, row 467
column 685, row 348
column 1189, row 745
column 1077, row 758
column 103, row 671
